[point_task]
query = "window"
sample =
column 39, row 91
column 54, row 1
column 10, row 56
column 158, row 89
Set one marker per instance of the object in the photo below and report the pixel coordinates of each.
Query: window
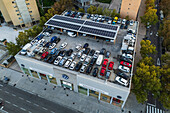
column 19, row 18
column 27, row 3
column 13, row 2
column 129, row 3
column 17, row 10
column 119, row 97
column 30, row 11
column 18, row 14
column 82, row 90
column 15, row 6
column 128, row 8
column 32, row 18
column 127, row 13
column 26, row 0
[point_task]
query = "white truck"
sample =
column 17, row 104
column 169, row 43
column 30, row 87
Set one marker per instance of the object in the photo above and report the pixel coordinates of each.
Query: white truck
column 99, row 60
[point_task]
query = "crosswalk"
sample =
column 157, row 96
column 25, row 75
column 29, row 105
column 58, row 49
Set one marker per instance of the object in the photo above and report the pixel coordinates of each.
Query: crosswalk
column 152, row 109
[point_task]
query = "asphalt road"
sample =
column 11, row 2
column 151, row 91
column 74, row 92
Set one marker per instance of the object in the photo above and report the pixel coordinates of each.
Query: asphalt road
column 18, row 101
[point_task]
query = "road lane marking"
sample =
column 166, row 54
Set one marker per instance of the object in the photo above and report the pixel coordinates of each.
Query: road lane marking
column 21, row 98
column 52, row 112
column 7, row 92
column 36, row 104
column 7, row 102
column 13, row 95
column 15, row 105
column 23, row 109
column 28, row 101
column 44, row 108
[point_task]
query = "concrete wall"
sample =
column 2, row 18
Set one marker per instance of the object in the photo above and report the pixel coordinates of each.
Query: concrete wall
column 130, row 7
column 4, row 11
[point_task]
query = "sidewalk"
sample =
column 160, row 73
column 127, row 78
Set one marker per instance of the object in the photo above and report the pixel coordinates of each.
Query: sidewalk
column 73, row 100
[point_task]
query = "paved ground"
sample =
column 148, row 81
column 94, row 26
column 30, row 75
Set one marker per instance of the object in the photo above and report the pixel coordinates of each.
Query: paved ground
column 115, row 4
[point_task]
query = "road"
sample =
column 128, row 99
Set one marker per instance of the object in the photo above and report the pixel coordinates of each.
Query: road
column 19, row 101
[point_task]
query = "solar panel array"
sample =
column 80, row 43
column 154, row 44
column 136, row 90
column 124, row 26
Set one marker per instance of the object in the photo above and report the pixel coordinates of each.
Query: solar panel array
column 101, row 25
column 64, row 18
column 64, row 25
column 97, row 32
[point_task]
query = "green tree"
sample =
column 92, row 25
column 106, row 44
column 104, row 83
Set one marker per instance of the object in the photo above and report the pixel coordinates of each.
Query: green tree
column 81, row 10
column 150, row 16
column 165, row 6
column 107, row 12
column 117, row 14
column 73, row 9
column 100, row 11
column 127, row 17
column 113, row 14
column 22, row 39
column 13, row 49
column 147, row 61
column 147, row 48
column 150, row 3
column 165, row 59
column 90, row 10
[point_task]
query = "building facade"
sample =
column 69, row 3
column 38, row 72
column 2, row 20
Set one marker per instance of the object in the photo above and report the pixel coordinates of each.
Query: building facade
column 20, row 12
column 83, row 3
column 130, row 8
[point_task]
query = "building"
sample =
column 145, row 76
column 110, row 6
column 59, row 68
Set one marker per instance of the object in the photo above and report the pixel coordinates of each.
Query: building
column 130, row 7
column 83, row 3
column 21, row 13
column 100, row 87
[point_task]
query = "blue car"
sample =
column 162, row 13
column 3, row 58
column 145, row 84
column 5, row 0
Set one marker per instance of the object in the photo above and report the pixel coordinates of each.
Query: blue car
column 40, row 37
column 53, row 51
column 54, row 38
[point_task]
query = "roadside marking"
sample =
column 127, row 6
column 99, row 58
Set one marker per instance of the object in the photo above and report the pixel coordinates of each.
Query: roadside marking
column 15, row 105
column 13, row 95
column 7, row 92
column 52, row 112
column 36, row 104
column 44, row 108
column 28, row 101
column 21, row 98
column 7, row 102
column 23, row 109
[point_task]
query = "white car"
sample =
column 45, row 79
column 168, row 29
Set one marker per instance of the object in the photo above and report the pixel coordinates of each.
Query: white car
column 131, row 22
column 88, row 59
column 109, row 22
column 96, row 54
column 68, row 62
column 79, row 53
column 122, row 81
column 78, row 47
column 41, row 41
column 123, row 68
column 73, row 56
column 73, row 64
column 71, row 34
column 83, row 68
column 52, row 45
column 63, row 45
column 127, row 56
column 57, row 60
column 47, row 34
column 83, row 57
column 124, row 21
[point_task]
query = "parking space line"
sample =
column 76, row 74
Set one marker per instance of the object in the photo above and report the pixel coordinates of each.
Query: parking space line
column 29, row 112
column 13, row 95
column 23, row 109
column 0, row 89
column 52, row 111
column 44, row 108
column 1, row 99
column 28, row 101
column 36, row 104
column 15, row 105
column 21, row 98
column 7, row 92
column 7, row 102
column 1, row 85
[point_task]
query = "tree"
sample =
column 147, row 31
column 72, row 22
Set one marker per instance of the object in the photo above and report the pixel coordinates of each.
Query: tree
column 113, row 14
column 100, row 10
column 147, row 48
column 145, row 80
column 150, row 16
column 81, row 10
column 73, row 9
column 150, row 3
column 165, row 59
column 118, row 15
column 165, row 6
column 22, row 39
column 13, row 49
column 107, row 12
column 90, row 10
column 127, row 17
column 147, row 61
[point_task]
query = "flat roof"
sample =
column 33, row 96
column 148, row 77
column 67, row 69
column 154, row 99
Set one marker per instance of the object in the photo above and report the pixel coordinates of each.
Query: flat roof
column 84, row 26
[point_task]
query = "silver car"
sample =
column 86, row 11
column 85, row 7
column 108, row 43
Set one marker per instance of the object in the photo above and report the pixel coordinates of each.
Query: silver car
column 73, row 64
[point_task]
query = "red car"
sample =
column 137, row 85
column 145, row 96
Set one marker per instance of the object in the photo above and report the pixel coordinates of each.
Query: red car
column 125, row 64
column 44, row 55
column 111, row 64
column 105, row 62
column 102, row 71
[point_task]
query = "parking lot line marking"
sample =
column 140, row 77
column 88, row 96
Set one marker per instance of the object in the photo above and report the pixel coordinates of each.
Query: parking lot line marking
column 0, row 89
column 1, row 85
column 1, row 99
column 52, row 112
column 28, row 101
column 13, row 95
column 29, row 112
column 15, row 105
column 7, row 92
column 36, row 104
column 44, row 108
column 7, row 102
column 21, row 98
column 23, row 109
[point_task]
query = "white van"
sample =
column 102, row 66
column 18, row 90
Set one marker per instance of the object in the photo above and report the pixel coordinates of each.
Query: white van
column 99, row 60
column 24, row 49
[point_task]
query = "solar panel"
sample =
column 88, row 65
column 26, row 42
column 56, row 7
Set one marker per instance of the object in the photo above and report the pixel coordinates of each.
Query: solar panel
column 63, row 25
column 101, row 25
column 98, row 32
column 64, row 18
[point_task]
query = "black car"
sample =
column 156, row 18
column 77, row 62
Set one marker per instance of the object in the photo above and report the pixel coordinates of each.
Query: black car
column 82, row 14
column 127, row 22
column 125, row 59
column 126, row 27
column 86, row 45
column 47, row 57
column 108, row 54
column 57, row 53
column 107, row 19
column 121, row 26
column 123, row 75
column 103, row 51
column 89, row 69
column 58, row 40
column 95, row 71
column 129, row 52
column 47, row 44
column 78, row 66
column 87, row 50
column 88, row 16
column 92, row 52
column 51, row 60
column 69, row 52
column 93, row 61
column 63, row 53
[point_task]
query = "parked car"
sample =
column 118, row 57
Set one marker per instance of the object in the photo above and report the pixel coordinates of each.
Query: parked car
column 86, row 45
column 99, row 60
column 110, row 21
column 47, row 57
column 119, row 21
column 123, row 75
column 126, row 27
column 96, row 54
column 78, row 47
column 126, row 64
column 52, row 45
column 102, row 71
column 105, row 62
column 57, row 52
column 121, row 26
column 111, row 64
column 127, row 22
column 78, row 66
column 124, row 69
column 79, row 54
column 108, row 54
column 63, row 45
column 53, row 51
column 24, row 49
column 125, row 59
column 108, row 73
column 46, row 34
column 83, row 68
column 51, row 60
column 83, row 57
column 62, row 62
column 95, row 71
column 62, row 53
column 127, row 56
column 107, row 19
column 44, row 55
column 93, row 61
column 71, row 34
column 57, row 40
column 88, row 58
column 73, row 64
column 88, row 16
column 92, row 52
column 69, row 52
column 53, row 39
column 73, row 56
column 47, row 44
column 87, row 50
column 131, row 22
column 103, row 51
column 57, row 60
column 122, row 81
column 124, row 21
column 68, row 63
column 89, row 69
